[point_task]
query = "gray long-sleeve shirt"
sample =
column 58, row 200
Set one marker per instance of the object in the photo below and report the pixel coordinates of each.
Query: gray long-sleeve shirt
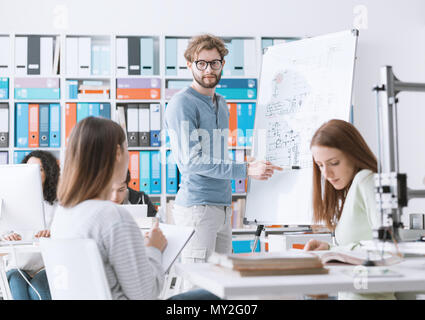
column 133, row 270
column 199, row 130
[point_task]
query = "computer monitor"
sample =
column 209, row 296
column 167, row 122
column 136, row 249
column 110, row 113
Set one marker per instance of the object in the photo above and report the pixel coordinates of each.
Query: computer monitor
column 21, row 200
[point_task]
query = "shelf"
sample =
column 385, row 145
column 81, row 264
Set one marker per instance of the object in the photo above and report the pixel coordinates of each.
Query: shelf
column 136, row 101
column 87, row 100
column 143, row 148
column 92, row 77
column 37, row 101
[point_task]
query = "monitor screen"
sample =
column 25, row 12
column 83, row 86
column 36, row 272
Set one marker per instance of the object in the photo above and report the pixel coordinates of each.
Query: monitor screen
column 21, row 200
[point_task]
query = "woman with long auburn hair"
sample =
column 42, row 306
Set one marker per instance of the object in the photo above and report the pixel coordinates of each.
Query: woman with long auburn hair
column 97, row 156
column 343, row 189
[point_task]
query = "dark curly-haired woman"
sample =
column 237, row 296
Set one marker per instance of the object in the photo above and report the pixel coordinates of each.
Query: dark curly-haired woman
column 31, row 265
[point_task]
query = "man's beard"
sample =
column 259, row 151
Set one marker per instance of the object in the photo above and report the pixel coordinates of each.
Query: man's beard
column 210, row 85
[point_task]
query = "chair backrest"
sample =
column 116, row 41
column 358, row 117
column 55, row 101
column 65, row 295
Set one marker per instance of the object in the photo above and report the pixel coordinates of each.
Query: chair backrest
column 74, row 269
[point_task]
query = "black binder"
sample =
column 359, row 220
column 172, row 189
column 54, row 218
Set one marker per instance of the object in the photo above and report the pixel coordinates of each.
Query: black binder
column 133, row 56
column 33, row 57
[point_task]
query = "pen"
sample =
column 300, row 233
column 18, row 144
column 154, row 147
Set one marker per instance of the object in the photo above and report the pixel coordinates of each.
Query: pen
column 290, row 167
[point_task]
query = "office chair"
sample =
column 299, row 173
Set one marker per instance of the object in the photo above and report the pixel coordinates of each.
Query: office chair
column 74, row 269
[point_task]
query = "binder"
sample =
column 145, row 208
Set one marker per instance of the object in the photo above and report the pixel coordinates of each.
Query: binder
column 250, row 114
column 21, row 50
column 232, row 182
column 4, row 157
column 94, row 109
column 21, row 125
column 238, row 57
column 242, row 120
column 105, row 110
column 18, row 156
column 233, row 124
column 46, row 56
column 55, row 125
column 237, row 84
column 105, row 57
column 238, row 93
column 171, row 57
column 4, row 125
column 4, row 88
column 4, row 54
column 183, row 70
column 250, row 58
column 82, row 111
column 146, row 56
column 171, row 174
column 155, row 124
column 72, row 89
column 240, row 183
column 71, row 56
column 133, row 167
column 33, row 55
column 33, row 126
column 95, row 59
column 122, row 57
column 155, row 172
column 228, row 66
column 266, row 43
column 84, row 56
column 133, row 125
column 37, row 93
column 145, row 169
column 133, row 56
column 44, row 125
column 144, row 125
column 70, row 119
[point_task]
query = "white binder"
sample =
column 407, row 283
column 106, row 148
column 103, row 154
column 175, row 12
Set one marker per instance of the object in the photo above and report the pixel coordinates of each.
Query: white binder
column 182, row 69
column 71, row 56
column 21, row 51
column 122, row 57
column 46, row 55
column 250, row 55
column 4, row 55
column 84, row 56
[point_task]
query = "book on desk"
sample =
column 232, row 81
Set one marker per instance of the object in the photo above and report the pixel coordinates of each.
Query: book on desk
column 264, row 264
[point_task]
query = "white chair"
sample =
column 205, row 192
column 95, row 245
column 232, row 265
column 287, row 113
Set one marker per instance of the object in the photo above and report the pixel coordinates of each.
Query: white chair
column 4, row 284
column 74, row 269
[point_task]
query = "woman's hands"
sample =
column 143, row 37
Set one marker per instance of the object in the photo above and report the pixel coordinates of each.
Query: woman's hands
column 314, row 245
column 155, row 238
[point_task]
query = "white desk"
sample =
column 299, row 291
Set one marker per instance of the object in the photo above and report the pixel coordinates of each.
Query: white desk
column 228, row 286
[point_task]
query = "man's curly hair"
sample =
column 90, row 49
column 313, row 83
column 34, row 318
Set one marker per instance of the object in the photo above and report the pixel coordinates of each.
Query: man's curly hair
column 51, row 171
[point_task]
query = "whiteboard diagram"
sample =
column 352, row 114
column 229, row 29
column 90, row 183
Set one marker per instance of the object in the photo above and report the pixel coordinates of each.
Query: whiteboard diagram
column 302, row 84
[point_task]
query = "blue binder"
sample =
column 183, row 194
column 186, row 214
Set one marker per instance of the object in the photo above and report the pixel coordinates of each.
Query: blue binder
column 37, row 93
column 155, row 124
column 21, row 125
column 145, row 169
column 72, row 88
column 55, row 125
column 171, row 57
column 105, row 110
column 82, row 111
column 18, row 156
column 238, row 57
column 155, row 172
column 105, row 56
column 4, row 88
column 171, row 174
column 250, row 112
column 242, row 116
column 244, row 246
column 146, row 56
column 237, row 84
column 232, row 157
column 266, row 43
column 94, row 109
column 237, row 93
column 44, row 125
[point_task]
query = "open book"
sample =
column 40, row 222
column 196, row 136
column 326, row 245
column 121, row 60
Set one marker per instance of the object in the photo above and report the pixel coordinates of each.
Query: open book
column 356, row 257
column 269, row 263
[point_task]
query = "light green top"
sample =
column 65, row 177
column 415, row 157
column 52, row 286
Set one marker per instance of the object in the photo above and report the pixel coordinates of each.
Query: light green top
column 358, row 219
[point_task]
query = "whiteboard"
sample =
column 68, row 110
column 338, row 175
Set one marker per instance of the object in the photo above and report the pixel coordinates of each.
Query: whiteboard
column 302, row 84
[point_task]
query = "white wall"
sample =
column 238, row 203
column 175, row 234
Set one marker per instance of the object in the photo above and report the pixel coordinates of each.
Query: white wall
column 395, row 35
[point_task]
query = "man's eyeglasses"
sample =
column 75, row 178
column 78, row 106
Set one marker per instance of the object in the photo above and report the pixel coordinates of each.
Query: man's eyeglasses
column 202, row 65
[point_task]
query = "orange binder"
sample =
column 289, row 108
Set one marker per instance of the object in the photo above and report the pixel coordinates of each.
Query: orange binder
column 139, row 93
column 233, row 124
column 70, row 119
column 33, row 126
column 133, row 166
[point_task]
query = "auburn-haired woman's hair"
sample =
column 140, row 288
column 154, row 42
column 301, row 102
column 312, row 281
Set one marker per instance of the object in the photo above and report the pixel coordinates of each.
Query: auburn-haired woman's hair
column 89, row 160
column 51, row 170
column 329, row 202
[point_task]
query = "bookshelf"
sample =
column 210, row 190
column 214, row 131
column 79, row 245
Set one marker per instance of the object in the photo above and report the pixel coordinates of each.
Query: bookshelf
column 108, row 69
